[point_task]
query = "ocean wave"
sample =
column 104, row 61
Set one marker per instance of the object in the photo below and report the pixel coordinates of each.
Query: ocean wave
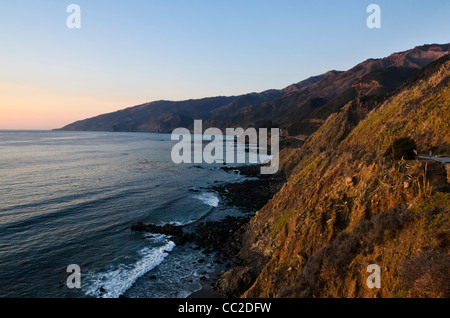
column 181, row 223
column 117, row 280
column 209, row 198
column 178, row 276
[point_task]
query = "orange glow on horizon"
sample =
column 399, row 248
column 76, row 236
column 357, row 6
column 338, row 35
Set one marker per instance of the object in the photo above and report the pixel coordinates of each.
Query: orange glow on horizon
column 31, row 107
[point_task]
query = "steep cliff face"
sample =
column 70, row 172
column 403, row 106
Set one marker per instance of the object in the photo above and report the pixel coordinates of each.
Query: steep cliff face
column 347, row 206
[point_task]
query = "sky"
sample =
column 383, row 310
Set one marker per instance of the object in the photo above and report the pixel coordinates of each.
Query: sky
column 132, row 52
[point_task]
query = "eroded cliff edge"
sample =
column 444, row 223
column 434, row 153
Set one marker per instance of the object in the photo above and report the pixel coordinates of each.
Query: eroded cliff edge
column 347, row 205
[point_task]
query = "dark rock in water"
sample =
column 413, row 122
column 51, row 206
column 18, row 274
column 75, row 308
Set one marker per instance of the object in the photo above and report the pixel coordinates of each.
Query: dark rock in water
column 223, row 236
column 250, row 195
column 153, row 277
column 207, row 251
column 139, row 227
column 203, row 278
column 183, row 238
column 102, row 290
column 176, row 232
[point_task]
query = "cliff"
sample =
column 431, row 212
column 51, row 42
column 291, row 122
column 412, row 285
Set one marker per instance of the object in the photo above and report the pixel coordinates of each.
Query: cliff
column 347, row 205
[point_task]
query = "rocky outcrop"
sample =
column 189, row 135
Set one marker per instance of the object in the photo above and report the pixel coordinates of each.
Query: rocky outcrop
column 179, row 237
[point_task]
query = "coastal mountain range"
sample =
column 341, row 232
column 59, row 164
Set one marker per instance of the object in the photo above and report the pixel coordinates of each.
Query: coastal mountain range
column 298, row 109
column 347, row 200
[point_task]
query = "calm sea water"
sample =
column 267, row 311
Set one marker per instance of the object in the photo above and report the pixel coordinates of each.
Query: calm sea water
column 71, row 197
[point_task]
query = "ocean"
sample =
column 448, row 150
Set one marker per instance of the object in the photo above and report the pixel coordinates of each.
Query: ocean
column 71, row 197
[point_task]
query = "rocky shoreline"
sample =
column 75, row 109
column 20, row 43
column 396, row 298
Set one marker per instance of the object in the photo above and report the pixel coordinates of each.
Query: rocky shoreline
column 225, row 236
column 251, row 194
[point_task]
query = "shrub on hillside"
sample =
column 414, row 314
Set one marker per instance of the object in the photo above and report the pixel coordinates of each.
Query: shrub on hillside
column 427, row 275
column 402, row 148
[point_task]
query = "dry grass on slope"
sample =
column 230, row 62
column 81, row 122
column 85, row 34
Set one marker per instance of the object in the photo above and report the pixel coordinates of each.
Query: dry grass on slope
column 420, row 111
column 336, row 216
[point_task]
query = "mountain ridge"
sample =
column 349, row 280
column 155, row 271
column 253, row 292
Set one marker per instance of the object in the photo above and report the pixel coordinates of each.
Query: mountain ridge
column 290, row 108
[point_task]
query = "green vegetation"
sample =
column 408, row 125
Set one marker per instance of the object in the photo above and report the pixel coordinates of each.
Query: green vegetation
column 280, row 221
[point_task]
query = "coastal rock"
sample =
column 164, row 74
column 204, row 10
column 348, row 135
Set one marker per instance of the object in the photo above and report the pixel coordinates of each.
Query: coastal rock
column 224, row 236
column 175, row 232
column 236, row 281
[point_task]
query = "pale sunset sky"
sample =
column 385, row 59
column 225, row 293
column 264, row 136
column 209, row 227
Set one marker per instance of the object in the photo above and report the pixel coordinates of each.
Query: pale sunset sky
column 132, row 52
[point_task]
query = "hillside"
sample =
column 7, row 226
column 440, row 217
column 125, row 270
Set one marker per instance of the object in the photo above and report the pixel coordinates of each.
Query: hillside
column 421, row 110
column 298, row 109
column 427, row 112
column 159, row 116
column 346, row 205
